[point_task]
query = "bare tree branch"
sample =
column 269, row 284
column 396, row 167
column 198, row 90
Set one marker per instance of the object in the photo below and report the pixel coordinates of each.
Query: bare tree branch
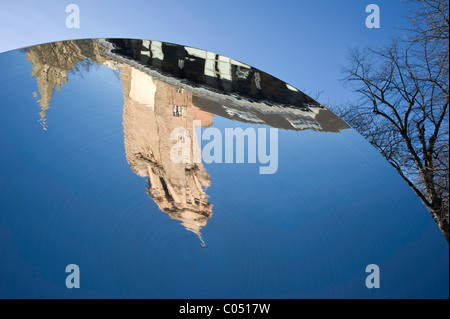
column 403, row 110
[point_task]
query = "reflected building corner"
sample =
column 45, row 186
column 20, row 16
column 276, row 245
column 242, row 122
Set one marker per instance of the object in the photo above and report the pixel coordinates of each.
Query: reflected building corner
column 152, row 110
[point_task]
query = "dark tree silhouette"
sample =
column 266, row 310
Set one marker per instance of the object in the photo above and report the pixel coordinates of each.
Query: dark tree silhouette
column 404, row 102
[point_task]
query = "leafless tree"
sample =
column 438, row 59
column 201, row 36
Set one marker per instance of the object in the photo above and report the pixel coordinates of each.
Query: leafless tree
column 404, row 103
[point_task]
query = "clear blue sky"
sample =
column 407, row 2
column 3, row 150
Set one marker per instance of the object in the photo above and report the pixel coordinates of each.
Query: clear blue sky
column 304, row 43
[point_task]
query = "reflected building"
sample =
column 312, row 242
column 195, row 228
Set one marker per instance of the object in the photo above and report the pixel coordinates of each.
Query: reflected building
column 224, row 86
column 166, row 87
column 152, row 110
column 51, row 64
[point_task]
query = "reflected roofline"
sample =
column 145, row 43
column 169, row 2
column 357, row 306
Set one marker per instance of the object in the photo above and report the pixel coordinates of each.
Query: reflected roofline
column 309, row 115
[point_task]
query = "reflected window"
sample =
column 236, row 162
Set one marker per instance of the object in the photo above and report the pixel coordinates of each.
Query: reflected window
column 177, row 110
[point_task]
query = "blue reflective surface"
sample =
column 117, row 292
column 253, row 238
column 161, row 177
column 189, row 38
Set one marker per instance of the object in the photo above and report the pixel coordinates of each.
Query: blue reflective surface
column 72, row 191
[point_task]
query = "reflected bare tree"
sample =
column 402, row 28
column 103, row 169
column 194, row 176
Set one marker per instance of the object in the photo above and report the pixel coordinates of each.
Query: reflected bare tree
column 83, row 67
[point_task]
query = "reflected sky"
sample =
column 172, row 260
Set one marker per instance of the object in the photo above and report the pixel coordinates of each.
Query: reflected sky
column 94, row 109
column 168, row 86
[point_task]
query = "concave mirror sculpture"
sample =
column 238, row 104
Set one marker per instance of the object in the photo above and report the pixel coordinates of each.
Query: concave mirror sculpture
column 300, row 209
